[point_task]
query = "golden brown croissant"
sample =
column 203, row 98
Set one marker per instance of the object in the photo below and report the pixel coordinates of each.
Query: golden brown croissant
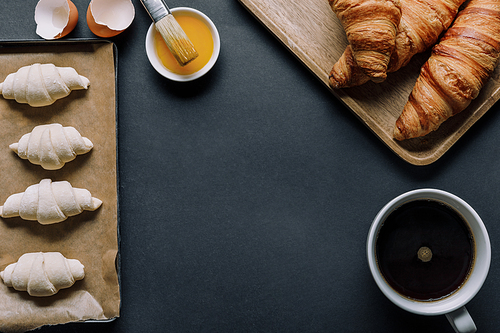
column 420, row 26
column 457, row 70
column 371, row 28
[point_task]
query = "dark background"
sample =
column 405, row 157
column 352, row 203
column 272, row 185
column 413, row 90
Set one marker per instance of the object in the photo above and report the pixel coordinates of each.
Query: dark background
column 246, row 196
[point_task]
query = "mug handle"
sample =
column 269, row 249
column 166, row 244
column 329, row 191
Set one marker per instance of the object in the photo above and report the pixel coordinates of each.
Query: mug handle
column 461, row 321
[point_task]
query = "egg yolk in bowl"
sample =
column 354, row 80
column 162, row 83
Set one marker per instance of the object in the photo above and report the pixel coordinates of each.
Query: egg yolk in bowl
column 200, row 36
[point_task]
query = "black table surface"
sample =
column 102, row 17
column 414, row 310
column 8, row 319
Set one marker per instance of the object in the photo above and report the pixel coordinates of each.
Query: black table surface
column 246, row 196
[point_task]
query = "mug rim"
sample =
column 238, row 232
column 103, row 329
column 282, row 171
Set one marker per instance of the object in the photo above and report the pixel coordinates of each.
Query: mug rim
column 479, row 270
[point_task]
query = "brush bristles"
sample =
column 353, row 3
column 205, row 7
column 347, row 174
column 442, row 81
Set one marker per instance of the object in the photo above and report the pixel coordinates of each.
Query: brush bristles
column 176, row 39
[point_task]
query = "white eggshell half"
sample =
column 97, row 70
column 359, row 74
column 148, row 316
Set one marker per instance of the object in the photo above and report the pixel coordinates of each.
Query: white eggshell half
column 115, row 14
column 53, row 17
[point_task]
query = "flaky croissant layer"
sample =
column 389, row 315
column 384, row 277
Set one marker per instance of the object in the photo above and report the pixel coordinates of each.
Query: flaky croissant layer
column 455, row 73
column 420, row 26
column 371, row 28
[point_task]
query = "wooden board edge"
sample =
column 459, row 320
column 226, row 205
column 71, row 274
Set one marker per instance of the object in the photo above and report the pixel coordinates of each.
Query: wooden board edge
column 421, row 158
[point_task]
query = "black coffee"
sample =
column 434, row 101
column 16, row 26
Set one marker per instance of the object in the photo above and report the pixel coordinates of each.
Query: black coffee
column 425, row 250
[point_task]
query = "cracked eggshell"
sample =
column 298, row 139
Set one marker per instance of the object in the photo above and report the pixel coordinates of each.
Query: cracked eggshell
column 108, row 18
column 55, row 18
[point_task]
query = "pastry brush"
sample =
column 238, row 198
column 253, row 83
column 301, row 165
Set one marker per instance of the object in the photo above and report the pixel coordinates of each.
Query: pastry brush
column 176, row 39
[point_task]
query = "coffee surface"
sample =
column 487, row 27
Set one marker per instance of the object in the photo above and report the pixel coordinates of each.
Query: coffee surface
column 425, row 250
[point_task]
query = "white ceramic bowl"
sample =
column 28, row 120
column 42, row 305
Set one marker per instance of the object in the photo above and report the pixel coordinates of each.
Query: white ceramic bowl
column 155, row 60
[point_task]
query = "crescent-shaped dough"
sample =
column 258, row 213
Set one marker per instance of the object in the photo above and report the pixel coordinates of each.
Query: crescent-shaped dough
column 42, row 84
column 42, row 274
column 51, row 146
column 49, row 202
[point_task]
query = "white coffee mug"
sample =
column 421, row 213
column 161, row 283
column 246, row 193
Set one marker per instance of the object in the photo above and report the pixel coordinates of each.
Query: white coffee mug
column 452, row 306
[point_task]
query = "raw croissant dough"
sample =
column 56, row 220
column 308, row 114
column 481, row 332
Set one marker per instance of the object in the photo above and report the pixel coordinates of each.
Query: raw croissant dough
column 42, row 274
column 49, row 202
column 51, row 146
column 42, row 84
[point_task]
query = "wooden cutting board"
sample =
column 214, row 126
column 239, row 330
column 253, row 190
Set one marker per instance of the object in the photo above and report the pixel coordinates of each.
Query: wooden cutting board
column 312, row 32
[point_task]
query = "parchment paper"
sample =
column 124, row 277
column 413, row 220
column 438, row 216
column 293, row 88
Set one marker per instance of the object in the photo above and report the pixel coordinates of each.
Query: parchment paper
column 91, row 237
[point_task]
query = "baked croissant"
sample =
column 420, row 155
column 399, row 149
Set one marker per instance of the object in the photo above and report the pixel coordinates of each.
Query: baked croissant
column 49, row 202
column 42, row 84
column 457, row 70
column 420, row 26
column 51, row 146
column 42, row 273
column 371, row 28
